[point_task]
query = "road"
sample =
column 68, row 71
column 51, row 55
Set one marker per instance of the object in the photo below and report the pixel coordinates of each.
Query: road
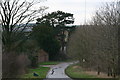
column 58, row 71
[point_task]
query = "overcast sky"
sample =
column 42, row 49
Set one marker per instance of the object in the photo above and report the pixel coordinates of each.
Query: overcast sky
column 76, row 7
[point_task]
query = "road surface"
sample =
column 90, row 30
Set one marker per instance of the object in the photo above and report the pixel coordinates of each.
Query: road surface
column 58, row 71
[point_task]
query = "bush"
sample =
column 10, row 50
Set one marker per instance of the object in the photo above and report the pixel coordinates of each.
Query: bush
column 14, row 65
column 34, row 62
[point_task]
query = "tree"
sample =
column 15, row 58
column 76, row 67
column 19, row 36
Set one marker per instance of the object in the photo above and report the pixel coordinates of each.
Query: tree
column 58, row 21
column 98, row 43
column 45, row 36
column 97, row 46
column 107, row 15
column 14, row 13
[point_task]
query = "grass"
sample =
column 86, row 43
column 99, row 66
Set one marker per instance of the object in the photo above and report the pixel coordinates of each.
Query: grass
column 49, row 63
column 77, row 72
column 41, row 71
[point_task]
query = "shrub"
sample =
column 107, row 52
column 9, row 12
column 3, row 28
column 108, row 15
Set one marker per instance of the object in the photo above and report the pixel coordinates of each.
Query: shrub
column 14, row 65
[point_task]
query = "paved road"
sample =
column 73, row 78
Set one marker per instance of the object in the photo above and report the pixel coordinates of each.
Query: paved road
column 58, row 71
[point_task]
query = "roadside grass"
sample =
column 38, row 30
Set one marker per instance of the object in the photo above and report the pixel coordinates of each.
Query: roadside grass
column 78, row 72
column 41, row 71
column 50, row 63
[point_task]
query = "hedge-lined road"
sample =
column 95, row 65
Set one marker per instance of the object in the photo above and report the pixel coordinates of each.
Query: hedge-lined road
column 58, row 71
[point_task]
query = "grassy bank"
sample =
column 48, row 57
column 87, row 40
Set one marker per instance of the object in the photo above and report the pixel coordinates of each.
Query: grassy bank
column 75, row 71
column 41, row 71
column 49, row 63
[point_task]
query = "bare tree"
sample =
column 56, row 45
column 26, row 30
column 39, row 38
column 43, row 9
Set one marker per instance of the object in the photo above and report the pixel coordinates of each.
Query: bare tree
column 98, row 43
column 96, row 47
column 13, row 14
column 107, row 15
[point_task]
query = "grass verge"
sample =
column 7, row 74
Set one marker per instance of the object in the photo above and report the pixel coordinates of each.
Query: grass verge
column 74, row 71
column 49, row 63
column 41, row 71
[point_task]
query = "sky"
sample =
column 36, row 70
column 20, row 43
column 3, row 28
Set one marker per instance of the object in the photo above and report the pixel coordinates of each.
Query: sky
column 82, row 12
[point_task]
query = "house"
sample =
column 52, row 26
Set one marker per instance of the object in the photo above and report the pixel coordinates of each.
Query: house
column 42, row 56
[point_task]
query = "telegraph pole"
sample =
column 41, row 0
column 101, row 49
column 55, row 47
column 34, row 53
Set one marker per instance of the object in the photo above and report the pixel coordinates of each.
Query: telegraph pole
column 85, row 14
